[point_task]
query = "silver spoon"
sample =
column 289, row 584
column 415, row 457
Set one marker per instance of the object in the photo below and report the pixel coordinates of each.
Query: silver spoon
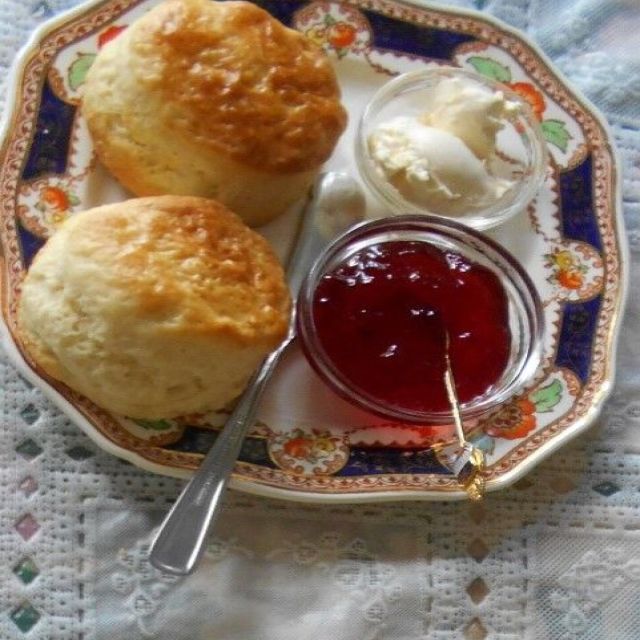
column 336, row 202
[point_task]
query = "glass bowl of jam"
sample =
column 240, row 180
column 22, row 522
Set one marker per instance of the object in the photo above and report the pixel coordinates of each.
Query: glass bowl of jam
column 447, row 141
column 387, row 300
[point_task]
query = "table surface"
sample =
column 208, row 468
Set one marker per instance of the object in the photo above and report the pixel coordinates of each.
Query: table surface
column 557, row 556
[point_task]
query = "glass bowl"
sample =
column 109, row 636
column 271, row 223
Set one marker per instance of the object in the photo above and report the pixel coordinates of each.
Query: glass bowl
column 525, row 314
column 520, row 156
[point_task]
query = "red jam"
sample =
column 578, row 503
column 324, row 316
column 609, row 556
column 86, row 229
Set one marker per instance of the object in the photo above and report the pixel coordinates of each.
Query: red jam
column 380, row 318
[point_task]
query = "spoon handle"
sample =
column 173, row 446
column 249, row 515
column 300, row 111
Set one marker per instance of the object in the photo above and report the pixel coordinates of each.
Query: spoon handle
column 179, row 542
column 181, row 537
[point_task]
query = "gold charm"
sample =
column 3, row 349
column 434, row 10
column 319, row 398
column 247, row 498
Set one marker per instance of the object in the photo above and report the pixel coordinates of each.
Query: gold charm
column 465, row 461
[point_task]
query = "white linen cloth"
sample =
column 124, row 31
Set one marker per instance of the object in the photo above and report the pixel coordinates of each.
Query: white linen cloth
column 556, row 557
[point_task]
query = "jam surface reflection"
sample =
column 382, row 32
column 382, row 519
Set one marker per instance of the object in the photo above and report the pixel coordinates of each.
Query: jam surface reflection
column 380, row 317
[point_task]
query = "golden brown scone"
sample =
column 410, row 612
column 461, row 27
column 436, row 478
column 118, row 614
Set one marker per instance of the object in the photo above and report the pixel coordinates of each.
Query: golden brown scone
column 154, row 307
column 215, row 99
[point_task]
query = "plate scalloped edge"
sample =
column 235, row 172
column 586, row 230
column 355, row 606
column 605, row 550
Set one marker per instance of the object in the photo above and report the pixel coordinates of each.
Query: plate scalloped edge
column 252, row 486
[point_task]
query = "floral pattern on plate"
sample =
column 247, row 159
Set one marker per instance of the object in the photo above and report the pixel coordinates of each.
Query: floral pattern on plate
column 570, row 241
column 338, row 28
column 309, row 452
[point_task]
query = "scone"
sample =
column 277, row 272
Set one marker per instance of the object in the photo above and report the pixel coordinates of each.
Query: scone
column 214, row 99
column 154, row 307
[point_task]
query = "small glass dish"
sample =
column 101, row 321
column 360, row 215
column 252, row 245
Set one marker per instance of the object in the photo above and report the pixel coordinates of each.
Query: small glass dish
column 520, row 156
column 525, row 313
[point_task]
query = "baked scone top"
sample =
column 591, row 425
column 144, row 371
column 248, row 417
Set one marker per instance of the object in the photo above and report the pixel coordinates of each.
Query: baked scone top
column 240, row 82
column 174, row 264
column 154, row 307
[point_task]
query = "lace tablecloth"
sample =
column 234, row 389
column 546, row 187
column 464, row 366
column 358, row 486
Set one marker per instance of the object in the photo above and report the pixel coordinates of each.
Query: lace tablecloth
column 557, row 556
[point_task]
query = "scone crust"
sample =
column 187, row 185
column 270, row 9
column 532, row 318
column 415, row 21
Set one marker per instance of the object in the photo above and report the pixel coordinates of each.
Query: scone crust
column 186, row 264
column 234, row 80
column 154, row 307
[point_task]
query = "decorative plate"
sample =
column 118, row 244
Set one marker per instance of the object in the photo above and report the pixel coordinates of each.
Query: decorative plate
column 308, row 444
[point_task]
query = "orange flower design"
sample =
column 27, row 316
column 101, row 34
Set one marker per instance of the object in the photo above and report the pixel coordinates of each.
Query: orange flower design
column 334, row 34
column 535, row 99
column 340, row 35
column 570, row 279
column 109, row 34
column 568, row 271
column 515, row 420
column 55, row 203
column 55, row 198
column 298, row 447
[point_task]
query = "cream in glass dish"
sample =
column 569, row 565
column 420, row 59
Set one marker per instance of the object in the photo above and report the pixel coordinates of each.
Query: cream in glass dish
column 451, row 143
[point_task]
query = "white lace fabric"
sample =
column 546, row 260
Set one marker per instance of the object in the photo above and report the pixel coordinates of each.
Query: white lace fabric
column 556, row 557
